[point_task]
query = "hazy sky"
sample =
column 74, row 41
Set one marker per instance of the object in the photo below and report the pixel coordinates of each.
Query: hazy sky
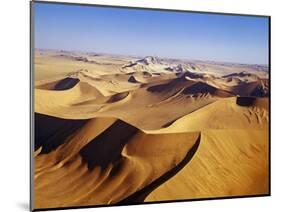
column 144, row 32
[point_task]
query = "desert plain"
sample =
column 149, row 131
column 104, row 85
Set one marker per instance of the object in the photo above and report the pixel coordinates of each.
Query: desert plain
column 112, row 129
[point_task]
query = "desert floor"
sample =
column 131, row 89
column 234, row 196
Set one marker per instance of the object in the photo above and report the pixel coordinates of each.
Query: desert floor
column 115, row 129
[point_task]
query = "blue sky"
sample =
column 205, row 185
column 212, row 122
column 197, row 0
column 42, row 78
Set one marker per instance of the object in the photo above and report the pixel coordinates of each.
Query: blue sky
column 227, row 38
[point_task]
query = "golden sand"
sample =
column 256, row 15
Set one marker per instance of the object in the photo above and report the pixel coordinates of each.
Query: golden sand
column 112, row 131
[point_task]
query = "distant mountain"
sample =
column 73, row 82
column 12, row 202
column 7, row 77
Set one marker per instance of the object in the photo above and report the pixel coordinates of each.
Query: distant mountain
column 149, row 60
column 145, row 61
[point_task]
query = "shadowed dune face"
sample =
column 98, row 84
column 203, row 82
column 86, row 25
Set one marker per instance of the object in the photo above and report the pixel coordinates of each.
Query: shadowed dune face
column 50, row 132
column 117, row 97
column 171, row 85
column 121, row 130
column 132, row 79
column 107, row 147
column 205, row 88
column 245, row 101
column 66, row 83
column 256, row 89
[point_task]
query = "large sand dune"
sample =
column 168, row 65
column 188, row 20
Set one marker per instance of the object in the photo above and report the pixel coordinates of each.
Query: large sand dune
column 121, row 130
column 106, row 158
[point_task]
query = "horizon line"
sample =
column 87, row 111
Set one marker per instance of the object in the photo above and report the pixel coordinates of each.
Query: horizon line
column 142, row 56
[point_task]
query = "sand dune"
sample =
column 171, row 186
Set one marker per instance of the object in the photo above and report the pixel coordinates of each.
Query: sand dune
column 123, row 130
column 86, row 101
column 222, row 166
column 222, row 114
column 107, row 157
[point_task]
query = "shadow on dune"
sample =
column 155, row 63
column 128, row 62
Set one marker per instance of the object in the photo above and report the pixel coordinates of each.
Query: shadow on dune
column 50, row 132
column 258, row 88
column 117, row 97
column 132, row 79
column 140, row 195
column 188, row 87
column 245, row 101
column 171, row 85
column 107, row 147
column 66, row 83
column 58, row 85
column 200, row 87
